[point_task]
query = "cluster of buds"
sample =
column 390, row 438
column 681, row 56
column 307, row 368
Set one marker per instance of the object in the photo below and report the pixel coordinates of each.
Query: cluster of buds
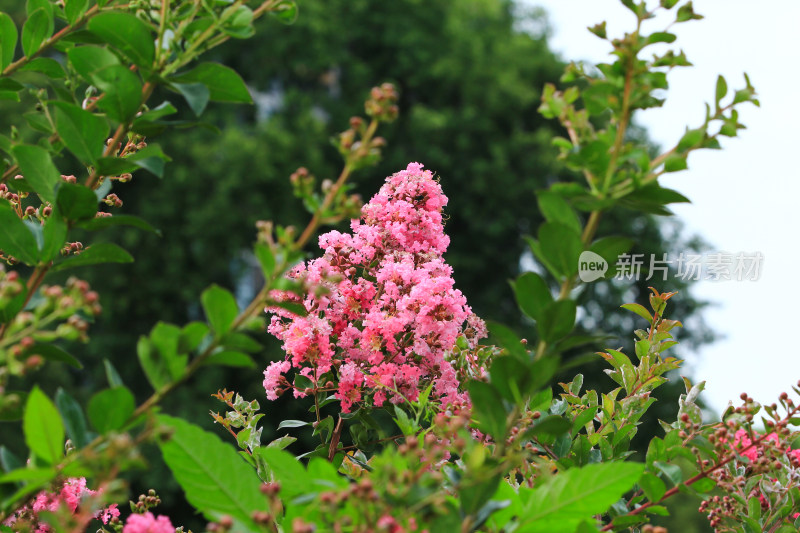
column 11, row 286
column 11, row 197
column 145, row 502
column 65, row 307
column 72, row 248
column 759, row 467
column 112, row 200
column 382, row 103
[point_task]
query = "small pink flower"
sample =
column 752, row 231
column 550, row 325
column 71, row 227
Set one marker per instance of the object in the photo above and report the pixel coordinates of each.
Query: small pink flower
column 147, row 523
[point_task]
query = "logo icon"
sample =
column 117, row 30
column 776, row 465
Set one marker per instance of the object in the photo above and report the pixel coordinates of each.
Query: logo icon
column 591, row 267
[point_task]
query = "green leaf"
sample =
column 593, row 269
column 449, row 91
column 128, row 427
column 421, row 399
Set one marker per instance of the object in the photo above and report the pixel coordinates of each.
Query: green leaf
column 220, row 308
column 151, row 158
column 76, row 202
column 555, row 209
column 675, row 163
column 214, row 478
column 153, row 365
column 561, row 246
column 691, row 139
column 123, row 92
column 293, row 424
column 639, row 310
column 128, row 34
column 73, row 9
column 38, row 168
column 721, row 90
column 661, row 37
column 610, row 248
column 552, row 425
column 112, row 376
column 118, row 220
column 223, row 83
column 110, row 409
column 506, row 338
column 652, row 486
column 287, row 470
column 196, row 95
column 83, row 132
column 286, row 11
column 102, row 252
column 230, row 358
column 165, row 338
column 561, row 502
column 557, row 320
column 88, row 60
column 533, row 294
column 15, row 237
column 8, row 40
column 54, row 353
column 35, row 31
column 44, row 431
column 74, row 421
column 511, row 377
column 474, row 495
column 54, row 234
column 487, row 408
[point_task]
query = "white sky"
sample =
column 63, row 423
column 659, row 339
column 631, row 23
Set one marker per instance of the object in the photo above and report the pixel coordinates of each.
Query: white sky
column 744, row 198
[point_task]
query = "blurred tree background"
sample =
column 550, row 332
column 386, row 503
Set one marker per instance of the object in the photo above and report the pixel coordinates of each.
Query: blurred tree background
column 469, row 75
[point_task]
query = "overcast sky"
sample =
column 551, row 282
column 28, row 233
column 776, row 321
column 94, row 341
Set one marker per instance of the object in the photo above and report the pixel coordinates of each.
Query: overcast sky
column 745, row 197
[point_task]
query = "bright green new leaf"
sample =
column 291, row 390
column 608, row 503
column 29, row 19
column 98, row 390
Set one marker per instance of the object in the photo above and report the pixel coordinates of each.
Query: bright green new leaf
column 15, row 237
column 721, row 90
column 112, row 376
column 165, row 338
column 103, row 252
column 214, row 478
column 562, row 502
column 38, row 168
column 8, row 40
column 127, row 34
column 110, row 409
column 44, row 431
column 223, row 83
column 83, row 132
column 74, row 421
column 639, row 310
column 532, row 293
column 220, row 308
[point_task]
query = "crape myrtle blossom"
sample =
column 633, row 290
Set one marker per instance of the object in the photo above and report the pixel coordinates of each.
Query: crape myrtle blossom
column 147, row 523
column 69, row 496
column 383, row 314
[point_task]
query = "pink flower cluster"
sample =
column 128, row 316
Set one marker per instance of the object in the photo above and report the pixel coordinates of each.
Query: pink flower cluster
column 742, row 444
column 72, row 492
column 382, row 310
column 147, row 523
